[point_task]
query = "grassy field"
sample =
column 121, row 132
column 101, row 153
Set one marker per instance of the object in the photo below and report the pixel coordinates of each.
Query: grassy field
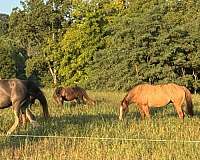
column 101, row 120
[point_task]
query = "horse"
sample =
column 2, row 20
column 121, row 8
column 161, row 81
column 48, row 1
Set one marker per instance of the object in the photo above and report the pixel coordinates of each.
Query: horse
column 62, row 94
column 146, row 96
column 20, row 95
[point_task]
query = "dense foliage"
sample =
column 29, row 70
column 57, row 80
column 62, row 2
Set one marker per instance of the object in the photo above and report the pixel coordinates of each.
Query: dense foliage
column 106, row 44
column 12, row 59
column 3, row 24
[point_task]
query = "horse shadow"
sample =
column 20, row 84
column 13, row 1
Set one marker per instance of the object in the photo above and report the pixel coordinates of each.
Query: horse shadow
column 52, row 125
column 58, row 125
column 197, row 114
column 163, row 112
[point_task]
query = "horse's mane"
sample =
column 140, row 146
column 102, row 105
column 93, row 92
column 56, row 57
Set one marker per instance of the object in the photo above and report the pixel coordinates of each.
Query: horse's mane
column 135, row 85
column 156, row 84
column 31, row 84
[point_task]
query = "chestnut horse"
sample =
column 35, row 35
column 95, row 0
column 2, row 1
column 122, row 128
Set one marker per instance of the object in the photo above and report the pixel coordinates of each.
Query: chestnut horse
column 20, row 94
column 62, row 94
column 146, row 96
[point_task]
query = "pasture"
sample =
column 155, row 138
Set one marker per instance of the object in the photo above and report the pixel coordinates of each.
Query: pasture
column 101, row 120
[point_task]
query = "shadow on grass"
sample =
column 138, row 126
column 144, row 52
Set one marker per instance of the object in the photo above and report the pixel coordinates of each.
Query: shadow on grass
column 197, row 114
column 162, row 112
column 79, row 124
column 55, row 125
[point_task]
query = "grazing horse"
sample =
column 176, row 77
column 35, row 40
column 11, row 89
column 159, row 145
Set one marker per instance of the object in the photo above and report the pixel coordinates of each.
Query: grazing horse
column 146, row 96
column 62, row 94
column 20, row 94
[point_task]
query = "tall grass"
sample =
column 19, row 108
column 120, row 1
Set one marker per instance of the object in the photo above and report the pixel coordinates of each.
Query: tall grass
column 101, row 120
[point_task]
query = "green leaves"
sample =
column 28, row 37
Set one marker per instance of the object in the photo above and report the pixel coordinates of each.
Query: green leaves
column 3, row 24
column 12, row 60
column 109, row 44
column 153, row 38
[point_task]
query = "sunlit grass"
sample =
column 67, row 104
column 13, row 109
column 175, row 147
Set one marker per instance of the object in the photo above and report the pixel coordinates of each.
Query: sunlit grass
column 101, row 120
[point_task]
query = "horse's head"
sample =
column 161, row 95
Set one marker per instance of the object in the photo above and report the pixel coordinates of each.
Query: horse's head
column 34, row 92
column 57, row 95
column 44, row 104
column 123, row 108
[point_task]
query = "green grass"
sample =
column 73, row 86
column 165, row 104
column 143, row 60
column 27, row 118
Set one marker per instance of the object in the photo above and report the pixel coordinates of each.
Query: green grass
column 101, row 120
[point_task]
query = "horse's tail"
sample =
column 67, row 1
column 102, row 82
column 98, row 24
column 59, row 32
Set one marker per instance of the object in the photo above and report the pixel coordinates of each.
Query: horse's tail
column 85, row 95
column 189, row 103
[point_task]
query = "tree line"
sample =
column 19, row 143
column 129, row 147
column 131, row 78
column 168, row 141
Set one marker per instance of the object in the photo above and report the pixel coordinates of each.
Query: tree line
column 102, row 44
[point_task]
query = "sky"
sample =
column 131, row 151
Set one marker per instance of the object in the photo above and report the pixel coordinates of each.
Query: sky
column 7, row 5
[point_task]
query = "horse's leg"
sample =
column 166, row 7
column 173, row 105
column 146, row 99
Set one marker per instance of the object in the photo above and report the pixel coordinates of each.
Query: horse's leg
column 23, row 119
column 16, row 109
column 78, row 100
column 62, row 102
column 178, row 107
column 31, row 118
column 59, row 100
column 83, row 99
column 145, row 109
column 24, row 114
column 141, row 112
column 30, row 115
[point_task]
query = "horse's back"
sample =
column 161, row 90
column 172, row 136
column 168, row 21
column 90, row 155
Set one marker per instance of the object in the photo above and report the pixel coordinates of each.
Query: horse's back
column 18, row 87
column 70, row 93
column 175, row 91
column 10, row 86
column 77, row 88
column 10, row 91
column 155, row 95
column 150, row 95
column 70, row 90
column 4, row 87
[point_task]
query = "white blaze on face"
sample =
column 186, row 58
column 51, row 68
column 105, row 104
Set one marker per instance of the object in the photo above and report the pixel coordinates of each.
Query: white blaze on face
column 120, row 113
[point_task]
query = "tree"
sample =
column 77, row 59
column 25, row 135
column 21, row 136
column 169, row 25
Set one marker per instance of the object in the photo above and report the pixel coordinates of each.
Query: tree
column 3, row 24
column 10, row 55
column 37, row 26
column 84, row 38
column 110, row 44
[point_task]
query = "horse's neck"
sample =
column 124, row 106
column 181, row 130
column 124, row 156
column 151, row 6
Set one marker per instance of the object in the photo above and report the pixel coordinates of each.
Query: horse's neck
column 126, row 100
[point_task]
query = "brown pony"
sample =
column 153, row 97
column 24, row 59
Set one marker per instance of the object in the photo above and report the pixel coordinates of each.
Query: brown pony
column 146, row 96
column 62, row 94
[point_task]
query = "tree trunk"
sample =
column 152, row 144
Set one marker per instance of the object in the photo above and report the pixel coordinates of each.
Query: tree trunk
column 53, row 73
column 195, row 80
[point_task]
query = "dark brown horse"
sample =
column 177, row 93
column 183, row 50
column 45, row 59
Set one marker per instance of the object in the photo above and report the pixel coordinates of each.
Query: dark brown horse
column 20, row 94
column 62, row 94
column 146, row 96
